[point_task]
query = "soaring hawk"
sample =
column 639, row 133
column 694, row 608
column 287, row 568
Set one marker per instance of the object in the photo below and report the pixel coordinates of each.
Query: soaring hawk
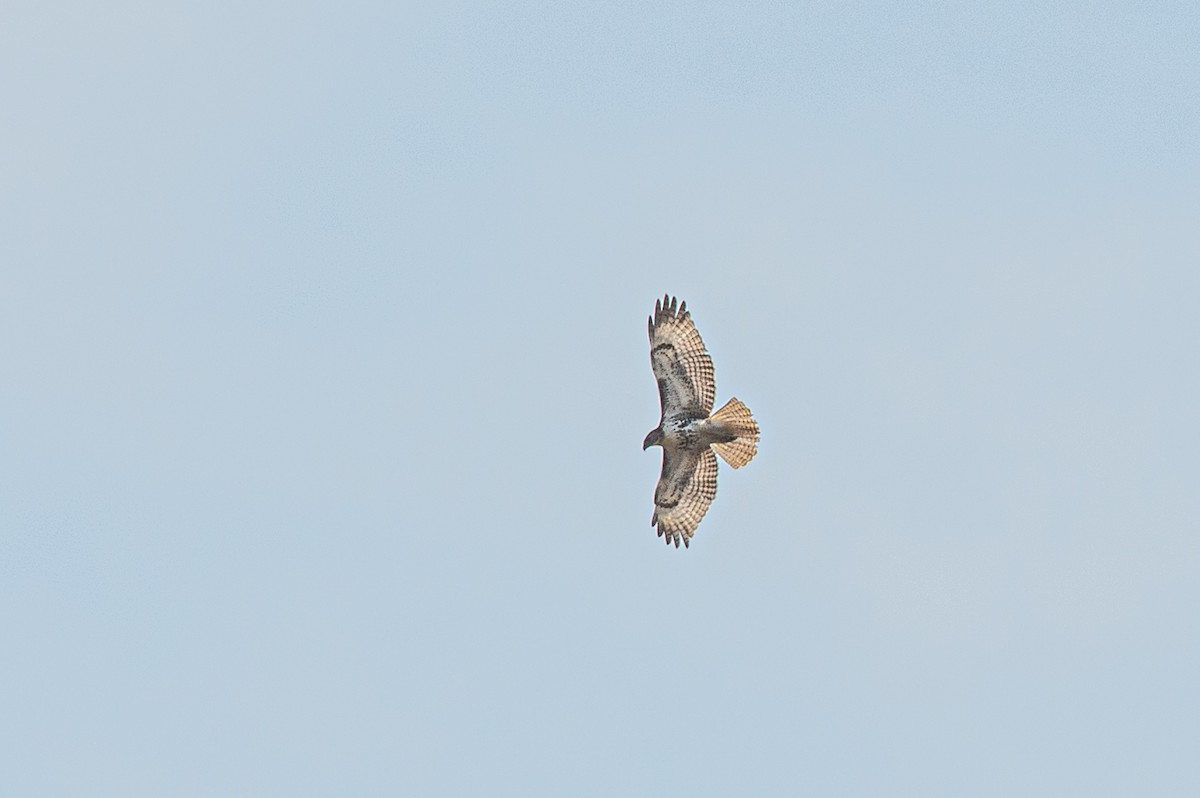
column 686, row 432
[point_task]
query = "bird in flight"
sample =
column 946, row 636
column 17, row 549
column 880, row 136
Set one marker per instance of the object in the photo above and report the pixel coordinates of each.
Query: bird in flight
column 686, row 431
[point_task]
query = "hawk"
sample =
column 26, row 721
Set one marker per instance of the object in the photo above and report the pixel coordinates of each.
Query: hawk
column 686, row 431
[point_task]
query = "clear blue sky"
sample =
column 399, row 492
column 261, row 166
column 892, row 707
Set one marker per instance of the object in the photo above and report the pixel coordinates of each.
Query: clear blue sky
column 323, row 379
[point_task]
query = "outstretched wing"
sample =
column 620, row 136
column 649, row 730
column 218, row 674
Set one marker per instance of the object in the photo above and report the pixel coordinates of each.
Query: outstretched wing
column 685, row 489
column 681, row 365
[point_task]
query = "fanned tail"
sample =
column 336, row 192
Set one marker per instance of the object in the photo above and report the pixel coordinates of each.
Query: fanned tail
column 735, row 418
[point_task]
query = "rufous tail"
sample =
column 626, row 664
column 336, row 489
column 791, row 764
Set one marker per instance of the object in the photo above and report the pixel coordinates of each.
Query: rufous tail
column 735, row 418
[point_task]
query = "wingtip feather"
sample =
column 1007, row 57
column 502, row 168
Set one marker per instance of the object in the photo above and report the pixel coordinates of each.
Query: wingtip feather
column 669, row 307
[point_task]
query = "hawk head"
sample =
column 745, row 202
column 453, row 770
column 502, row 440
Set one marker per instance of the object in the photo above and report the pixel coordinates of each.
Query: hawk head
column 654, row 438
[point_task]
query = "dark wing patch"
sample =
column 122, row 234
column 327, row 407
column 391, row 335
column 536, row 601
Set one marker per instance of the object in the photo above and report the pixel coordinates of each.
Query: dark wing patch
column 685, row 490
column 681, row 364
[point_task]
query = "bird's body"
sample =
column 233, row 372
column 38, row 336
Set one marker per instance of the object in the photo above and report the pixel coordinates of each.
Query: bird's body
column 686, row 431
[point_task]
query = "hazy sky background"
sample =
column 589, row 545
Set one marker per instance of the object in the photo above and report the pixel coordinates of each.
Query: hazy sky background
column 324, row 378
